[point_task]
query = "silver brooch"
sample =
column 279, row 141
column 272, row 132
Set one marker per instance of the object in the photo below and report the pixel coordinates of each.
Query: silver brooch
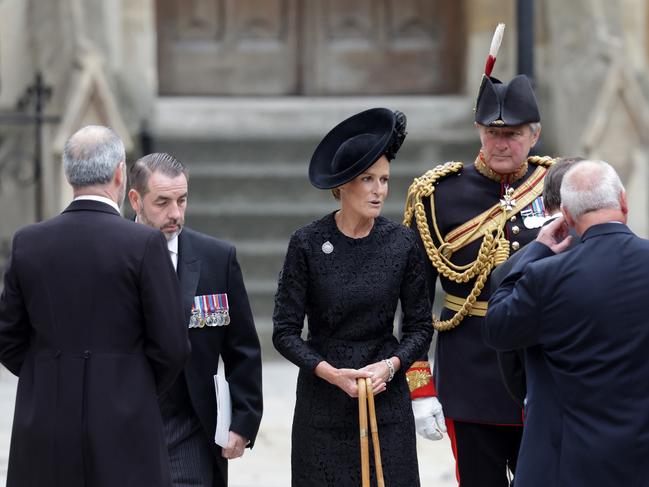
column 327, row 247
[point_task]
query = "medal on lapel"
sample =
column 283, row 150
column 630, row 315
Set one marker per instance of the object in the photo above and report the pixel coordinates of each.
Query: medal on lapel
column 210, row 310
column 534, row 214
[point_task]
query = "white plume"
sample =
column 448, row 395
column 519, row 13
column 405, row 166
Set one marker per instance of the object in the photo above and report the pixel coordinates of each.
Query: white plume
column 496, row 40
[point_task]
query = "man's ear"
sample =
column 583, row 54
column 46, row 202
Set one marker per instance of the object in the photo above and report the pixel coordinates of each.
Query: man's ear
column 568, row 217
column 135, row 199
column 535, row 137
column 119, row 176
column 624, row 207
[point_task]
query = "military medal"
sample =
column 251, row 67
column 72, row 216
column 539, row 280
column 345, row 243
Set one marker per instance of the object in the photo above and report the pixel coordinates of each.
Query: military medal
column 195, row 318
column 534, row 214
column 210, row 310
column 507, row 201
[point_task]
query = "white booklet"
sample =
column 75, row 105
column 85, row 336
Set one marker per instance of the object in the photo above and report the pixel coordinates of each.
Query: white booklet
column 223, row 409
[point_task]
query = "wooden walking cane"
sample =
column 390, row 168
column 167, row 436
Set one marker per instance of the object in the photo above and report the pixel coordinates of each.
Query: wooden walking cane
column 366, row 395
column 362, row 421
column 374, row 428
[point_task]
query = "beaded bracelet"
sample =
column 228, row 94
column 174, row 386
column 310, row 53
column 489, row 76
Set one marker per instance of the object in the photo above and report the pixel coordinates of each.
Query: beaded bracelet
column 390, row 366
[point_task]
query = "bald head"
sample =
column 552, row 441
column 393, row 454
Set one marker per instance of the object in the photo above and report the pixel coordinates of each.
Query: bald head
column 592, row 194
column 91, row 156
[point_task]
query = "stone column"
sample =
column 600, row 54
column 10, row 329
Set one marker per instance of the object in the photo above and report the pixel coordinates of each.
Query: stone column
column 17, row 205
column 482, row 16
column 138, row 76
column 596, row 73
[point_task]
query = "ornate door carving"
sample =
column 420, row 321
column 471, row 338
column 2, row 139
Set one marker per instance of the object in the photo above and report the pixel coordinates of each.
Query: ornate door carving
column 227, row 47
column 378, row 47
column 312, row 47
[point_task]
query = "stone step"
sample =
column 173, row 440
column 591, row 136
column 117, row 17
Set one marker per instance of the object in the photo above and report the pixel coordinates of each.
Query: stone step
column 261, row 259
column 437, row 118
column 261, row 293
column 218, row 150
column 440, row 146
column 260, row 220
column 222, row 183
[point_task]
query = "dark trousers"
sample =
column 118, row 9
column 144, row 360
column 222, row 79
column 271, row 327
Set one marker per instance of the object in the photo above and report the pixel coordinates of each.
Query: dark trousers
column 484, row 452
column 194, row 460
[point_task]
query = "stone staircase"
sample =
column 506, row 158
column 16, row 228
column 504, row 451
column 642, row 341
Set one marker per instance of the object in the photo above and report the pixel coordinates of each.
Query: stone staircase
column 248, row 162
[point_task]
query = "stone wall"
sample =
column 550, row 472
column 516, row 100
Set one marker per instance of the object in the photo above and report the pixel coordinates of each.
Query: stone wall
column 16, row 192
column 591, row 62
column 596, row 89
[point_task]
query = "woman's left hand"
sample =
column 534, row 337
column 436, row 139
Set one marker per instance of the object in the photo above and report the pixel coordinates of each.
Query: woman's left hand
column 381, row 373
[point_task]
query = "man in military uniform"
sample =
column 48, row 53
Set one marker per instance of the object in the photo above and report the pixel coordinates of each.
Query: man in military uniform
column 470, row 218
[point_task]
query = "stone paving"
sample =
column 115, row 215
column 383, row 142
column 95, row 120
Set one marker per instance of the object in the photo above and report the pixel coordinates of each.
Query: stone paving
column 268, row 464
column 7, row 400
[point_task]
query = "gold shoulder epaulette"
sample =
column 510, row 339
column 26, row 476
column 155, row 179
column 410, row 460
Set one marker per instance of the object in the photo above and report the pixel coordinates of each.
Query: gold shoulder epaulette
column 543, row 161
column 424, row 185
column 488, row 226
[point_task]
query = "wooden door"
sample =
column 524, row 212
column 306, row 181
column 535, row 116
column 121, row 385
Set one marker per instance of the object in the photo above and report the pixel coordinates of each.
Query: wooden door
column 227, row 47
column 310, row 47
column 380, row 47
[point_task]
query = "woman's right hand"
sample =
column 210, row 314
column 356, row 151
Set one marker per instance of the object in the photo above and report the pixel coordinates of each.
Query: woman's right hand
column 345, row 379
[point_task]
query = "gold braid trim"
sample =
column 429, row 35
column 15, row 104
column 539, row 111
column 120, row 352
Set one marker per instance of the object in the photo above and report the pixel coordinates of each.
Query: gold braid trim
column 494, row 248
column 486, row 171
column 485, row 222
column 418, row 378
column 543, row 161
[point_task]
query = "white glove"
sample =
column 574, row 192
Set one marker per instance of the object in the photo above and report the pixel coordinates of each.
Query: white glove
column 429, row 418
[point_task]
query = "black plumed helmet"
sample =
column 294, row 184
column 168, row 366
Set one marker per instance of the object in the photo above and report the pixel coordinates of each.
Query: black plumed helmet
column 506, row 104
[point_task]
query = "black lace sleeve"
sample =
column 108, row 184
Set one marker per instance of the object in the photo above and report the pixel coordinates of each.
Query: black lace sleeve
column 417, row 328
column 290, row 308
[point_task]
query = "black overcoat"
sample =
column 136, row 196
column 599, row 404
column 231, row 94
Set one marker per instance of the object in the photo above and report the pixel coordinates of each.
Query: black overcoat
column 90, row 322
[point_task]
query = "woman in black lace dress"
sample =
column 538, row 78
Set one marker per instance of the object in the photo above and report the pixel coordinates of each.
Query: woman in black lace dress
column 346, row 273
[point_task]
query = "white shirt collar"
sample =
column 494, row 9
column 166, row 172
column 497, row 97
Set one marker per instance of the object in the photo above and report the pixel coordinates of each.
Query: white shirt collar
column 172, row 244
column 101, row 199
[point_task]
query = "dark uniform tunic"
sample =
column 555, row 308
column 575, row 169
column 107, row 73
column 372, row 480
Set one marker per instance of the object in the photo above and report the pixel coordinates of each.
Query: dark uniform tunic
column 349, row 290
column 468, row 379
column 485, row 427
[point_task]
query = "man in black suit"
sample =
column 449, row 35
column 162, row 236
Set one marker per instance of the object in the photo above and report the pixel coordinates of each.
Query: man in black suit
column 218, row 315
column 511, row 362
column 582, row 318
column 89, row 322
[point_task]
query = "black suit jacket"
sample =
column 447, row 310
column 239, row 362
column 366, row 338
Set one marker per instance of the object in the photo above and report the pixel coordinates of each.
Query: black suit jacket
column 512, row 362
column 90, row 322
column 582, row 318
column 206, row 266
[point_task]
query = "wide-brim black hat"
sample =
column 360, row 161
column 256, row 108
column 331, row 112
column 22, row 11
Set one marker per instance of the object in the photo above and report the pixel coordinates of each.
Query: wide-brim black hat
column 354, row 145
column 506, row 104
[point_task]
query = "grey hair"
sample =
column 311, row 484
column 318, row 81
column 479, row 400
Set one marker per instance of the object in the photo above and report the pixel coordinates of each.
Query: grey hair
column 91, row 156
column 535, row 127
column 590, row 186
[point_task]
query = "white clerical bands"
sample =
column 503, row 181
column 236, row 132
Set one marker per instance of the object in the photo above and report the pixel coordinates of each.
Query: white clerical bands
column 390, row 366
